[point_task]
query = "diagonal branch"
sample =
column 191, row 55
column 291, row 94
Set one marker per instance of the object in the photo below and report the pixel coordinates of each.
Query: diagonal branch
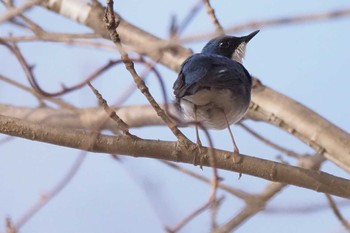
column 272, row 22
column 175, row 151
column 112, row 26
column 211, row 12
column 15, row 11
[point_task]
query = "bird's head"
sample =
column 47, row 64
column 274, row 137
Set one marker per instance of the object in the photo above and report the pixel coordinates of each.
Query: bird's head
column 229, row 46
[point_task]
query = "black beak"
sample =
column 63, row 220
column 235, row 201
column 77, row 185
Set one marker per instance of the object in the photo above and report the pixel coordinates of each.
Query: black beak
column 247, row 38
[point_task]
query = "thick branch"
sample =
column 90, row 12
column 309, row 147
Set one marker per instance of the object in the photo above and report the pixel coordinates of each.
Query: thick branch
column 173, row 151
column 85, row 118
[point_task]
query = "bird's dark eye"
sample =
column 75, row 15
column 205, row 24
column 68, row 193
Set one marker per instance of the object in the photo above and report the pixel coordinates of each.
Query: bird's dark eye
column 224, row 44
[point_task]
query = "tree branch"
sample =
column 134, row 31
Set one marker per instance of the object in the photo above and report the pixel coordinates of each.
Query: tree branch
column 174, row 151
column 15, row 11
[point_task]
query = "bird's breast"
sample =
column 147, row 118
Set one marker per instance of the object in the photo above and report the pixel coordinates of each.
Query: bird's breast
column 211, row 104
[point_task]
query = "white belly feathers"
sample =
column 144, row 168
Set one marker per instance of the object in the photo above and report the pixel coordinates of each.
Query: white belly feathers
column 211, row 104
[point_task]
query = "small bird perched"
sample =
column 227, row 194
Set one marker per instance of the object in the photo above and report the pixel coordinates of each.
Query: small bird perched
column 213, row 87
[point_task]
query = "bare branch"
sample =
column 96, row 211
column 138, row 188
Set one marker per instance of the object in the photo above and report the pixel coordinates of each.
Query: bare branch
column 190, row 217
column 58, row 102
column 337, row 213
column 72, row 39
column 50, row 195
column 175, row 151
column 176, row 30
column 269, row 143
column 15, row 11
column 238, row 193
column 260, row 24
column 85, row 118
column 112, row 114
column 112, row 26
column 9, row 226
column 302, row 208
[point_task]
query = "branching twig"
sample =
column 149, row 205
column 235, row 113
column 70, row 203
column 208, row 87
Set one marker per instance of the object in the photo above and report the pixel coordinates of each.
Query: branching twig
column 66, row 90
column 32, row 80
column 112, row 25
column 25, row 66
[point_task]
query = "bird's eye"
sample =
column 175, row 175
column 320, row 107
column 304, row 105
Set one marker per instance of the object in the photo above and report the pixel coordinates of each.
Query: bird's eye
column 224, row 44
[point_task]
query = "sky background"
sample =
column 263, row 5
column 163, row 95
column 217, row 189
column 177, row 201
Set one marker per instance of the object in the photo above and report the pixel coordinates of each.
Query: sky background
column 308, row 62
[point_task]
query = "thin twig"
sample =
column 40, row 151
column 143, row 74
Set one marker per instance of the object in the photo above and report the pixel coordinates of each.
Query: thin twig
column 259, row 24
column 238, row 193
column 214, row 212
column 131, row 88
column 20, row 86
column 219, row 29
column 269, row 142
column 337, row 213
column 112, row 114
column 50, row 36
column 34, row 83
column 25, row 66
column 187, row 219
column 302, row 208
column 254, row 206
column 212, row 160
column 54, row 192
column 71, row 39
column 28, row 70
column 66, row 90
column 13, row 12
column 176, row 30
column 9, row 226
column 112, row 26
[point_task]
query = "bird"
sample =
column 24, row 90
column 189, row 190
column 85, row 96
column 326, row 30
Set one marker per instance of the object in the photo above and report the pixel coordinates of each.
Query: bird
column 213, row 88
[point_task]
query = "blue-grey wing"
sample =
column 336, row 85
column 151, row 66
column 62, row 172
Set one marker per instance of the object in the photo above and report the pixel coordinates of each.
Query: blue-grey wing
column 209, row 71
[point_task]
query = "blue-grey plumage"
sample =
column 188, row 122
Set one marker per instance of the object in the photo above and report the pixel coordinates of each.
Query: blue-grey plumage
column 213, row 87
